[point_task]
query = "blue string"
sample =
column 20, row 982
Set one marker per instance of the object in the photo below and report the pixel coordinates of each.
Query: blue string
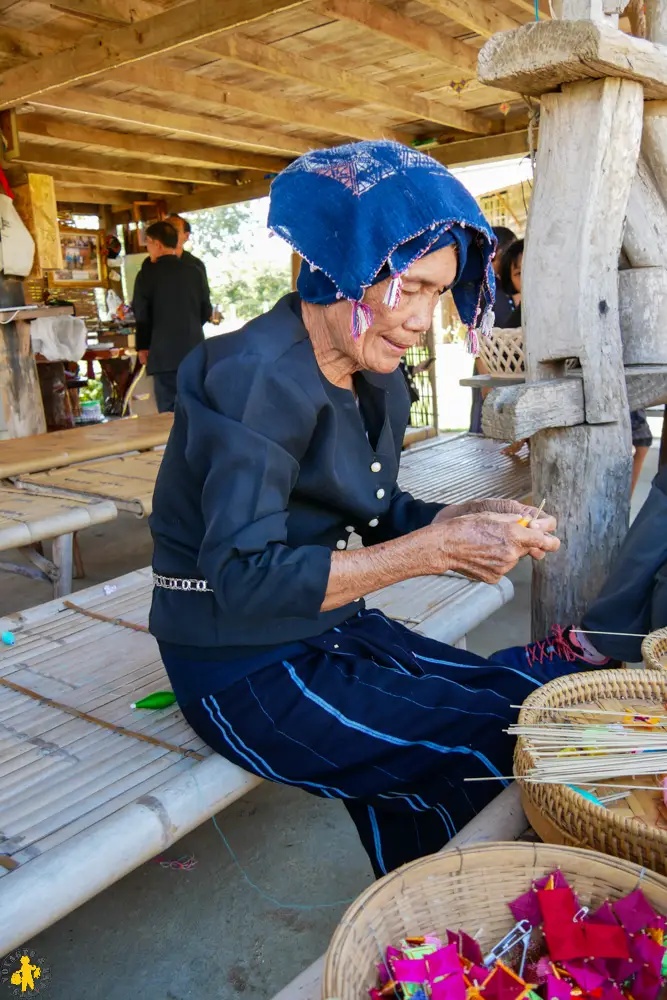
column 537, row 10
column 270, row 899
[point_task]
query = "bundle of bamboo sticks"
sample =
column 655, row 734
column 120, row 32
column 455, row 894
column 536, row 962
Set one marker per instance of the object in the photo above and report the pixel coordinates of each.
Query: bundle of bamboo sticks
column 590, row 753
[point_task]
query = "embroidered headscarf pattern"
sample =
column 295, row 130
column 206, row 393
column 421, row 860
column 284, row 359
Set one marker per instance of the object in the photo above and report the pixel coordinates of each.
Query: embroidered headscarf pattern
column 366, row 211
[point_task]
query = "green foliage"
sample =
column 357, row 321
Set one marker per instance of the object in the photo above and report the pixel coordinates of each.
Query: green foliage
column 254, row 293
column 220, row 230
column 92, row 393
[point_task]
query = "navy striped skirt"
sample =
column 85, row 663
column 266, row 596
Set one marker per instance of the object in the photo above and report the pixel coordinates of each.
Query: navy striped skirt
column 387, row 721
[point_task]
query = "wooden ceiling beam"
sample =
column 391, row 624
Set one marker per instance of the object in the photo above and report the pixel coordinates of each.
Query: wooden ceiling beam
column 289, row 66
column 528, row 6
column 199, row 126
column 102, row 180
column 58, row 156
column 191, row 22
column 148, row 145
column 420, row 38
column 108, row 11
column 163, row 79
column 211, row 199
column 97, row 196
column 492, row 147
column 479, row 16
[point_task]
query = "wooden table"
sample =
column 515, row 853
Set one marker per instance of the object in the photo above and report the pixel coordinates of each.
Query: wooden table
column 26, row 521
column 52, row 451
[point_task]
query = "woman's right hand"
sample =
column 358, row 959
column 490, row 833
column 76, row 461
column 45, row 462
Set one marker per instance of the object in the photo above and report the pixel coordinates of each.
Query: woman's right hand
column 486, row 546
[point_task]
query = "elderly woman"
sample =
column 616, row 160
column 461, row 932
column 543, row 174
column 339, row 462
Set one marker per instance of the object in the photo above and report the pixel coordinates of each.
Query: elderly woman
column 286, row 440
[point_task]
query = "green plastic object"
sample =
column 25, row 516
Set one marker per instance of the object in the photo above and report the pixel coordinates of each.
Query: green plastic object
column 160, row 699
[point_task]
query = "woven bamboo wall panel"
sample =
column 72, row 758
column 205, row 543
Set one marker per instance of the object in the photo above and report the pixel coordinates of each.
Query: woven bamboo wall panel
column 52, row 451
column 25, row 519
column 127, row 482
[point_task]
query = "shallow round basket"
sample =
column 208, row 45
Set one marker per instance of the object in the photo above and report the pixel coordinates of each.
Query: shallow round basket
column 654, row 649
column 468, row 889
column 634, row 828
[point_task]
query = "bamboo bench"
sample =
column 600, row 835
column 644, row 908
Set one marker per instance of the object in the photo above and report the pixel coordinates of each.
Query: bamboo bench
column 91, row 789
column 449, row 470
column 26, row 521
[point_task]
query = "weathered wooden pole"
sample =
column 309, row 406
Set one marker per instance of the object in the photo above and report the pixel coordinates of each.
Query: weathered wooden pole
column 590, row 135
column 589, row 141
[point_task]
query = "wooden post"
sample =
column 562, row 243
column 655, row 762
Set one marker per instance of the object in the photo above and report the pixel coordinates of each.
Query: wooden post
column 62, row 556
column 656, row 21
column 587, row 158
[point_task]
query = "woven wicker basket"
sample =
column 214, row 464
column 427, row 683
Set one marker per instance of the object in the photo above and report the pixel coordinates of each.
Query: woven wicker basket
column 467, row 889
column 634, row 829
column 502, row 352
column 654, row 649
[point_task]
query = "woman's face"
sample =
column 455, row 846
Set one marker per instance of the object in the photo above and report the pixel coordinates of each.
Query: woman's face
column 395, row 331
column 515, row 273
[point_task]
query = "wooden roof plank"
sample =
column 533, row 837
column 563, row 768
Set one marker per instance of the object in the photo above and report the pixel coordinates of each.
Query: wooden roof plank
column 164, row 80
column 418, row 37
column 109, row 11
column 287, row 65
column 194, row 21
column 147, row 145
column 58, row 156
column 211, row 199
column 481, row 17
column 180, row 122
column 96, row 196
column 102, row 179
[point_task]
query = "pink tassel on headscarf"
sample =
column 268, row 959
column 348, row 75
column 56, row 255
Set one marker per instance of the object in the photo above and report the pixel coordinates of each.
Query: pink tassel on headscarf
column 392, row 297
column 362, row 317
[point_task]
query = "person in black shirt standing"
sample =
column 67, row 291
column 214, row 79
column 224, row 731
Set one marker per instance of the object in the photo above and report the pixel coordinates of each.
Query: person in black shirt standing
column 184, row 231
column 170, row 304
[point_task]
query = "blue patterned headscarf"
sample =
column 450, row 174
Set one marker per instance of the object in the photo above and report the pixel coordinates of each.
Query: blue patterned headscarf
column 363, row 212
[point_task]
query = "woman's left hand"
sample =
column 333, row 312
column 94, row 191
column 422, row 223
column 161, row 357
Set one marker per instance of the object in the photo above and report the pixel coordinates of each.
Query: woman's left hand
column 495, row 505
column 492, row 505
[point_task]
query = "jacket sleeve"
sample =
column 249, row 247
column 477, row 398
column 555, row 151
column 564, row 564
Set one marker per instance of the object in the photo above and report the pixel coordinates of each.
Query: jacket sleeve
column 405, row 515
column 142, row 307
column 246, row 434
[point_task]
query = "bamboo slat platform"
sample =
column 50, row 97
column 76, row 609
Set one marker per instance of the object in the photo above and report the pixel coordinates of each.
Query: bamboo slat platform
column 465, row 467
column 80, row 444
column 26, row 519
column 83, row 805
column 128, row 482
column 450, row 470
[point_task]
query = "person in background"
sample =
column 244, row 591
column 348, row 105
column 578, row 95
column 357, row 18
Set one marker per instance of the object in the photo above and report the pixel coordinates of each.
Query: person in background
column 510, row 281
column 503, row 309
column 409, row 372
column 170, row 304
column 510, row 284
column 632, row 603
column 184, row 230
column 642, row 439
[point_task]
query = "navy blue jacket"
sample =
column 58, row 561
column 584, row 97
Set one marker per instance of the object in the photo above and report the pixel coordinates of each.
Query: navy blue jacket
column 266, row 473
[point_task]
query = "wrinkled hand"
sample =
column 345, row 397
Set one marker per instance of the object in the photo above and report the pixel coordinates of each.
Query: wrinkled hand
column 486, row 546
column 490, row 505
